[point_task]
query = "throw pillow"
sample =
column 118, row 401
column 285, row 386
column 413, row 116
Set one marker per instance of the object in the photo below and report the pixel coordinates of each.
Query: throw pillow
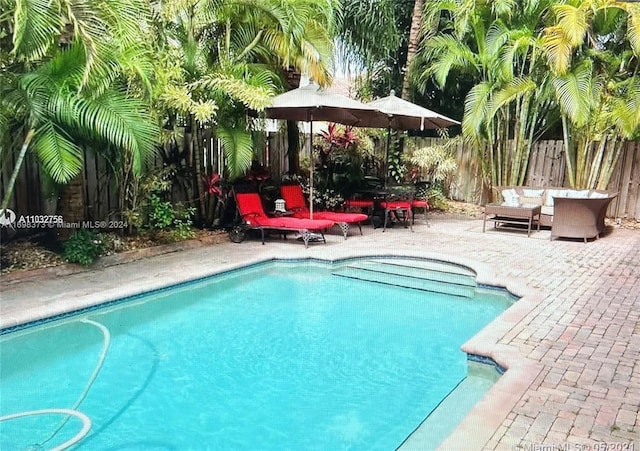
column 530, row 200
column 510, row 197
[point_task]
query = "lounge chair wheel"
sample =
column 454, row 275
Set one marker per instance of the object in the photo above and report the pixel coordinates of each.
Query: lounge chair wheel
column 237, row 234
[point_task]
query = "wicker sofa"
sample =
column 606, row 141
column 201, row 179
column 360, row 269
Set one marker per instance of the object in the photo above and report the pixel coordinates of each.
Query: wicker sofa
column 571, row 213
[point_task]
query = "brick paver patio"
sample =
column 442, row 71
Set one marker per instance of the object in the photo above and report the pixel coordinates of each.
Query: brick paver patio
column 581, row 336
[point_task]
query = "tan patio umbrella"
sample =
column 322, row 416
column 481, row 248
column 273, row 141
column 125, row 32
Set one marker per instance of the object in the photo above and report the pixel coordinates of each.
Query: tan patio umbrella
column 309, row 103
column 404, row 115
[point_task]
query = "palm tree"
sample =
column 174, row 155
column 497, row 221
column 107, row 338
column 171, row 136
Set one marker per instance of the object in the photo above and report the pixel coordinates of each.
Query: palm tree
column 218, row 58
column 414, row 41
column 592, row 50
column 73, row 74
column 499, row 49
column 367, row 33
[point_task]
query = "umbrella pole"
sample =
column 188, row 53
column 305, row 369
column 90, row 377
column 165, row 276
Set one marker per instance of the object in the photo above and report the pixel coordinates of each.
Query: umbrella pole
column 311, row 169
column 386, row 156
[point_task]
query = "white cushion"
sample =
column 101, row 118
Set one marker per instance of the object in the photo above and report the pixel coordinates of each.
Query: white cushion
column 551, row 193
column 597, row 195
column 546, row 210
column 510, row 197
column 578, row 194
column 532, row 192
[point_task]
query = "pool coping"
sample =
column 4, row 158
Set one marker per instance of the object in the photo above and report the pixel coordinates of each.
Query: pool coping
column 480, row 423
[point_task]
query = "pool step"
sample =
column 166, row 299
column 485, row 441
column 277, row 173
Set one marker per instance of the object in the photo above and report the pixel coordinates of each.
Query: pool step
column 438, row 266
column 439, row 271
column 401, row 275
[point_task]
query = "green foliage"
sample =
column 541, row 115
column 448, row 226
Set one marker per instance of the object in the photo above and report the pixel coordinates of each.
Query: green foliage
column 324, row 198
column 83, row 247
column 74, row 74
column 156, row 214
column 434, row 163
column 182, row 225
column 396, row 167
column 437, row 198
column 176, row 220
column 238, row 149
column 161, row 214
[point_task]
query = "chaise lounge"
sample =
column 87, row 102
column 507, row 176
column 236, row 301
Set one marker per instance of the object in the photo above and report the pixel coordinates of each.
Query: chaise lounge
column 254, row 218
column 295, row 202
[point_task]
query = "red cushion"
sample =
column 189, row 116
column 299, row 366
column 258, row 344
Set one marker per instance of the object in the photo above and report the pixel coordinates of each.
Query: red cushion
column 299, row 224
column 420, row 204
column 358, row 203
column 293, row 197
column 250, row 206
column 349, row 218
column 396, row 205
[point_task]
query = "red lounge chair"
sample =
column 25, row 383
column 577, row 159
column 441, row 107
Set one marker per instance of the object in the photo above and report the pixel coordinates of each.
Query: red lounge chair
column 295, row 202
column 254, row 218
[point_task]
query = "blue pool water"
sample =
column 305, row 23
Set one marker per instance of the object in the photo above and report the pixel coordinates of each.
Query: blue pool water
column 276, row 356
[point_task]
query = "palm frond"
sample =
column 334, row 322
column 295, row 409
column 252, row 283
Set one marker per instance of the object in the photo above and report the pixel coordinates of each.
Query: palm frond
column 633, row 27
column 513, row 90
column 475, row 109
column 59, row 156
column 118, row 119
column 367, row 31
column 444, row 53
column 238, row 149
column 573, row 22
column 504, row 8
column 255, row 97
column 626, row 111
column 574, row 92
column 557, row 48
column 37, row 24
column 497, row 36
column 514, row 55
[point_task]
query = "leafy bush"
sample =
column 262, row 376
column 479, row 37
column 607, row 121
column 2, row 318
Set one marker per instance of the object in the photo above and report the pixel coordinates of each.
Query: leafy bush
column 437, row 198
column 83, row 247
column 161, row 213
column 182, row 226
column 324, row 199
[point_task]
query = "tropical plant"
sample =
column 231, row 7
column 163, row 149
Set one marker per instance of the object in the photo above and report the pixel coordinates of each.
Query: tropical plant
column 341, row 150
column 435, row 163
column 83, row 247
column 592, row 49
column 498, row 46
column 216, row 59
column 367, row 34
column 74, row 73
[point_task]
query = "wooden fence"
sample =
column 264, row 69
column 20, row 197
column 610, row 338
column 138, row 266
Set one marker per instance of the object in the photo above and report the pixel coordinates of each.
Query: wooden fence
column 546, row 168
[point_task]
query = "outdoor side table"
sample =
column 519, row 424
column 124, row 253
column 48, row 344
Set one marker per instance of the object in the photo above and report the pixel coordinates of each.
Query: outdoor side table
column 505, row 216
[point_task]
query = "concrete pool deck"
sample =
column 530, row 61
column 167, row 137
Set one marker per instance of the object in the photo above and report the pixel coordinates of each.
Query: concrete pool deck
column 572, row 348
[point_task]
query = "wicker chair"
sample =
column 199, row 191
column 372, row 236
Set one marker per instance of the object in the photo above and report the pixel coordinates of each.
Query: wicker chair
column 579, row 218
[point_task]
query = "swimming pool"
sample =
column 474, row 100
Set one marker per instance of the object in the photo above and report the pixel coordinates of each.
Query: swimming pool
column 285, row 355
